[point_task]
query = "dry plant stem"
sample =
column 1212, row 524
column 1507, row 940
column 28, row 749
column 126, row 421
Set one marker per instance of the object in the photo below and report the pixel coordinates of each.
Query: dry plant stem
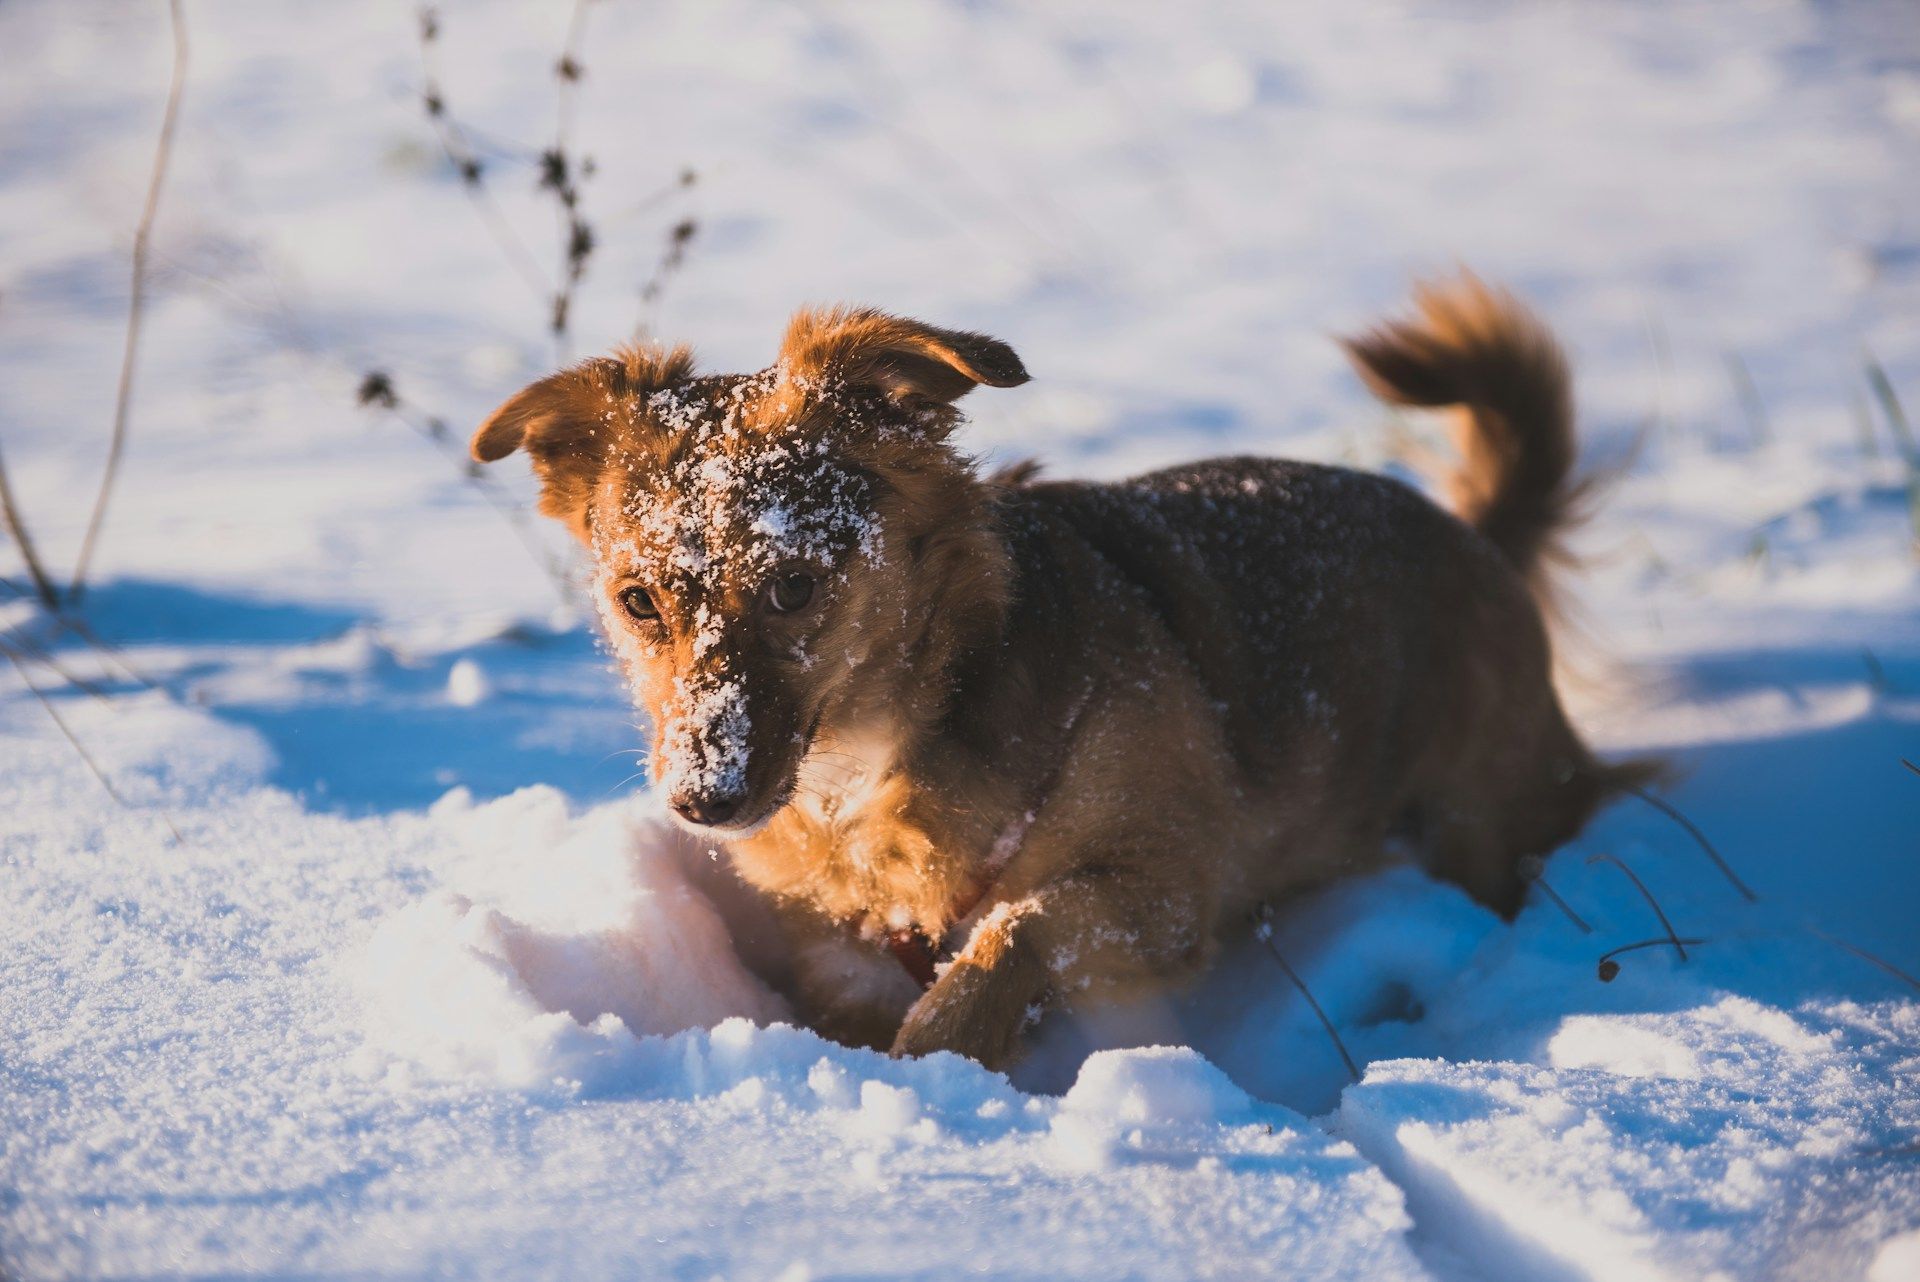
column 1909, row 765
column 109, row 653
column 1889, row 399
column 1672, row 812
column 18, row 644
column 79, row 627
column 1564, row 907
column 1263, row 928
column 66, row 731
column 514, row 516
column 576, row 236
column 1609, row 968
column 679, row 236
column 129, row 357
column 1866, row 956
column 1673, row 937
column 17, row 528
column 460, row 155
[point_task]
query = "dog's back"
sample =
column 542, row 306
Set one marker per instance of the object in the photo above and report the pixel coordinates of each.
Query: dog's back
column 1379, row 667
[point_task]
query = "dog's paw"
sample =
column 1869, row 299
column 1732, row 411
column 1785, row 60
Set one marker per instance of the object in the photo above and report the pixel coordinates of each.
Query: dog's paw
column 963, row 1014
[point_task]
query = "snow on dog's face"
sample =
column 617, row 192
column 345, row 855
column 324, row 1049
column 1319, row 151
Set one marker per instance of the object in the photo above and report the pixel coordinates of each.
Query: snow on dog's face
column 771, row 550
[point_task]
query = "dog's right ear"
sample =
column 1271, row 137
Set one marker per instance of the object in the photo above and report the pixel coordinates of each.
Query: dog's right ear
column 568, row 422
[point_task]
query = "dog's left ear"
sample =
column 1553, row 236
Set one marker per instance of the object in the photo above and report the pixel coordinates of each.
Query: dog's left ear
column 569, row 422
column 907, row 361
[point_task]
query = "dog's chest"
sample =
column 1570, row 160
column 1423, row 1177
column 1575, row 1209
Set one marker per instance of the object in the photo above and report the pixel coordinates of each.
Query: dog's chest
column 847, row 844
column 842, row 783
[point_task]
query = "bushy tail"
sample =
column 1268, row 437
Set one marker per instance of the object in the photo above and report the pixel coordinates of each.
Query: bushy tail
column 1477, row 347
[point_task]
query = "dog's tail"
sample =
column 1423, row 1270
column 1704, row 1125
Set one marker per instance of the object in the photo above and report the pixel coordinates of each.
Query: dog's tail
column 1478, row 348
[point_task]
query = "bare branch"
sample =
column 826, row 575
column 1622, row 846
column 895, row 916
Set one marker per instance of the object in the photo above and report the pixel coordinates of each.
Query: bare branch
column 129, row 358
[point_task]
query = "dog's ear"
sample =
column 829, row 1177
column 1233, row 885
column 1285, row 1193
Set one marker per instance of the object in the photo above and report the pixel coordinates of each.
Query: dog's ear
column 568, row 422
column 907, row 361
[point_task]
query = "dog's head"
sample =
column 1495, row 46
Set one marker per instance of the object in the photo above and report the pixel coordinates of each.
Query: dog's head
column 777, row 554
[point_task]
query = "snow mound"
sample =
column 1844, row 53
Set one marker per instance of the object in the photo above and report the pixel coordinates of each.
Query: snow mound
column 1732, row 1140
column 554, row 943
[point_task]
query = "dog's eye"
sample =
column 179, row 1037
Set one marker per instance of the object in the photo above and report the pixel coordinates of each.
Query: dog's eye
column 790, row 593
column 638, row 603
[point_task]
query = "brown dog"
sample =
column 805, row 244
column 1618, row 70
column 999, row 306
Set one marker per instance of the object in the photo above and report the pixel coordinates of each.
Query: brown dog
column 1073, row 733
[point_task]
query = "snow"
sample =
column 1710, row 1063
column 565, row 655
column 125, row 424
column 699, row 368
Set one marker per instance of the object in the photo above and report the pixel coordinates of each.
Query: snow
column 427, row 985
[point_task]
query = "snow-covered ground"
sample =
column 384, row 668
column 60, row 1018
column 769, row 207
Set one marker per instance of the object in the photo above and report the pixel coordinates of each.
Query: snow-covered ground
column 425, row 988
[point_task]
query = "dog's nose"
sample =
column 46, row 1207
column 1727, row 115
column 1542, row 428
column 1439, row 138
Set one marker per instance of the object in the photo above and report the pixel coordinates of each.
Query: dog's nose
column 715, row 808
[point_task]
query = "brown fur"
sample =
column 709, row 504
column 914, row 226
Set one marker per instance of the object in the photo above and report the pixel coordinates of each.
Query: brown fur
column 1075, row 732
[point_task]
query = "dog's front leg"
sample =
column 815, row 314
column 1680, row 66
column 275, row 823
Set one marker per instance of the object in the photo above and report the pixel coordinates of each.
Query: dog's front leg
column 979, row 1005
column 1093, row 932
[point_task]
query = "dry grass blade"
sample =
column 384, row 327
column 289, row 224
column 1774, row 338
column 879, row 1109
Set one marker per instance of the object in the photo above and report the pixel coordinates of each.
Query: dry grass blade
column 1672, row 812
column 17, row 528
column 1866, row 956
column 129, row 358
column 1263, row 928
column 66, row 732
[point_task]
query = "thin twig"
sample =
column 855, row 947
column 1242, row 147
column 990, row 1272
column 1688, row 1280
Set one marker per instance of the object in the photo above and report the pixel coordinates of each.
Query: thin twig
column 679, row 237
column 17, row 527
column 461, row 156
column 1672, row 812
column 1672, row 937
column 1263, row 929
column 129, row 357
column 1909, row 765
column 377, row 391
column 66, row 731
column 1866, row 956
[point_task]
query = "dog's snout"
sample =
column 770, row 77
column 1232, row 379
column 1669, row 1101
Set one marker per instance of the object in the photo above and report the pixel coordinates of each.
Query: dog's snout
column 708, row 808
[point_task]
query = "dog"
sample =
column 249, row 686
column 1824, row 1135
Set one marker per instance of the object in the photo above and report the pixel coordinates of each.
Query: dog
column 992, row 744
